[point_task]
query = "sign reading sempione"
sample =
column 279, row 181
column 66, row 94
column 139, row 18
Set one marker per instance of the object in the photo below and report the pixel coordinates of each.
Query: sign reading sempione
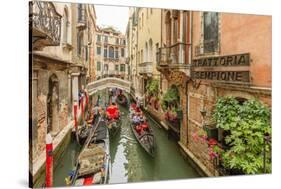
column 231, row 68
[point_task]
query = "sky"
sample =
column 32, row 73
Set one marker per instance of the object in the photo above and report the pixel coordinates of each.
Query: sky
column 112, row 16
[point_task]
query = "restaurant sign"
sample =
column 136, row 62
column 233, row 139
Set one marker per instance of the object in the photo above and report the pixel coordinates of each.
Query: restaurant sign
column 231, row 68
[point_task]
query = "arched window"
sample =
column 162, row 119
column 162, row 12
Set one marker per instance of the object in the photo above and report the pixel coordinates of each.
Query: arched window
column 79, row 43
column 116, row 53
column 111, row 52
column 211, row 31
column 168, row 28
column 146, row 52
column 65, row 26
column 150, row 50
column 53, row 104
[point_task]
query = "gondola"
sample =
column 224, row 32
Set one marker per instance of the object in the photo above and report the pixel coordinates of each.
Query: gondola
column 122, row 100
column 114, row 124
column 92, row 166
column 146, row 139
column 84, row 130
column 83, row 133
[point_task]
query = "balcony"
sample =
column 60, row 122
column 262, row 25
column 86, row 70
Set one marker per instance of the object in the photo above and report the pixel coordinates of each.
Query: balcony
column 111, row 59
column 174, row 57
column 146, row 68
column 45, row 24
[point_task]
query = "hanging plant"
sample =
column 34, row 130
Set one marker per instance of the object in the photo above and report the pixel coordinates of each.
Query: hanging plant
column 153, row 87
column 247, row 123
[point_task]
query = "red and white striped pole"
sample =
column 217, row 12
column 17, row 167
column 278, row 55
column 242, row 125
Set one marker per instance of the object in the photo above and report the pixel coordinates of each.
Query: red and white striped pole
column 75, row 107
column 87, row 98
column 49, row 161
column 82, row 108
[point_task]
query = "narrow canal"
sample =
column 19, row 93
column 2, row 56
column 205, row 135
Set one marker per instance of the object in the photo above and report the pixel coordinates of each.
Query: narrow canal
column 130, row 163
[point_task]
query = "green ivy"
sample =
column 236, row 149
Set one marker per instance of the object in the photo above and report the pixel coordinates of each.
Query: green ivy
column 171, row 97
column 248, row 123
column 153, row 87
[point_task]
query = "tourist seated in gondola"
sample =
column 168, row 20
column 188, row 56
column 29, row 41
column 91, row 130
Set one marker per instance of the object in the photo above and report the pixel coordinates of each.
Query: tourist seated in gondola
column 142, row 127
column 112, row 112
column 133, row 106
column 135, row 120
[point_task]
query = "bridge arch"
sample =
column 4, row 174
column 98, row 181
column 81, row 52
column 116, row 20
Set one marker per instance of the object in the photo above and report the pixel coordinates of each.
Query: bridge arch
column 109, row 82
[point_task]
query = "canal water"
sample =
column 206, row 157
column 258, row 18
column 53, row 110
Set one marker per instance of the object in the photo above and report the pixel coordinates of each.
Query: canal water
column 130, row 163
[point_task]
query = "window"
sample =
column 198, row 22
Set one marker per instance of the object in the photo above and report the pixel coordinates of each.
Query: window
column 98, row 38
column 122, row 52
column 106, row 67
column 79, row 43
column 98, row 50
column 210, row 29
column 168, row 28
column 116, row 67
column 86, row 53
column 111, row 52
column 105, row 52
column 142, row 19
column 117, row 41
column 106, row 39
column 151, row 11
column 81, row 13
column 124, row 42
column 116, row 53
column 122, row 67
column 65, row 26
column 98, row 66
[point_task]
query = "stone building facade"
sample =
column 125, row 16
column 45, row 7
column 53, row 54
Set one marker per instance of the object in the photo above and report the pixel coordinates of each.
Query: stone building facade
column 110, row 58
column 143, row 32
column 202, row 56
column 55, row 78
column 227, row 38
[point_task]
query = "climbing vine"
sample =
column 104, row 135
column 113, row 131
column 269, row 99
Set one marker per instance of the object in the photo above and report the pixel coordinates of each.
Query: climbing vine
column 248, row 124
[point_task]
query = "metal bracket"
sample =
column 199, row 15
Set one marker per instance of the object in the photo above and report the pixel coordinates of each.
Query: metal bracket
column 196, row 84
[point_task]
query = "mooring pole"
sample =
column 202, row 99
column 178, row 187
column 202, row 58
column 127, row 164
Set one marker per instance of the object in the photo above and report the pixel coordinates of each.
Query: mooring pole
column 82, row 108
column 75, row 119
column 49, row 161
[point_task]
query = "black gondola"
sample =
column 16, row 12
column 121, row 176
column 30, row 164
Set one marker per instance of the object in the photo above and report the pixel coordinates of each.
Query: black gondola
column 146, row 139
column 114, row 126
column 122, row 100
column 92, row 166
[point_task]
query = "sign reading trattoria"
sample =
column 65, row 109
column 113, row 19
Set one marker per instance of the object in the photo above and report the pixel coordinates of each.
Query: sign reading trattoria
column 230, row 60
column 231, row 68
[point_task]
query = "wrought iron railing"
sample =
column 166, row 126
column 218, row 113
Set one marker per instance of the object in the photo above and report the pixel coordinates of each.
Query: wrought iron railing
column 174, row 54
column 45, row 21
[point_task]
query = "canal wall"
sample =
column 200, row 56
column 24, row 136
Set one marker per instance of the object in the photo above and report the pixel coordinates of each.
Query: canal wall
column 60, row 142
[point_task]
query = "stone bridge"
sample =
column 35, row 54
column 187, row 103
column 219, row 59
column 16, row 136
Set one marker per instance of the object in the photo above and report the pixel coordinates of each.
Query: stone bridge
column 109, row 82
